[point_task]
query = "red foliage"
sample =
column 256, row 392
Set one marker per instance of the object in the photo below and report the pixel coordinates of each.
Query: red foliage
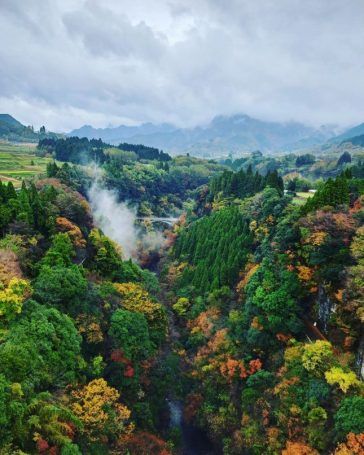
column 282, row 337
column 143, row 443
column 117, row 356
column 42, row 445
column 129, row 371
column 70, row 430
column 254, row 366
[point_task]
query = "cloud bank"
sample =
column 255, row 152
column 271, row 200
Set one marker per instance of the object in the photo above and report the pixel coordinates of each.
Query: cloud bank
column 65, row 63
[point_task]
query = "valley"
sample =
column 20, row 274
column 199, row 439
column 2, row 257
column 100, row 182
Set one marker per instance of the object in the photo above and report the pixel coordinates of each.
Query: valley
column 175, row 305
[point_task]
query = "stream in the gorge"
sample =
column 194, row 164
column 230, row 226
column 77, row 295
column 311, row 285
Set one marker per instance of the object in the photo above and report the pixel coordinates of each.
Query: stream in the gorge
column 194, row 441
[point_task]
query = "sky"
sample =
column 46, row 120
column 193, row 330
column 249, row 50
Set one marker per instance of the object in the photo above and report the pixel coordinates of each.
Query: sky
column 66, row 63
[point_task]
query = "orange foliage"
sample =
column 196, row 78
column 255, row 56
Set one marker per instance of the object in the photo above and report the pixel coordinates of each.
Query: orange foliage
column 170, row 239
column 255, row 324
column 204, row 323
column 65, row 225
column 298, row 448
column 235, row 368
column 354, row 445
column 357, row 206
column 304, row 273
column 254, row 366
column 249, row 271
column 218, row 341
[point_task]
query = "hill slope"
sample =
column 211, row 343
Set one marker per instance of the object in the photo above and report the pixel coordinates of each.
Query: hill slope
column 12, row 130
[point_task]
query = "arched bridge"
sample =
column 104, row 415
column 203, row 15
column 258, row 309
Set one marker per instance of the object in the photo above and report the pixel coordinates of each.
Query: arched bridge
column 169, row 221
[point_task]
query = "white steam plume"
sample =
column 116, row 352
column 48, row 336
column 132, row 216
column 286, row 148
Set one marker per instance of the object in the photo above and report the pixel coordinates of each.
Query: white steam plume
column 114, row 218
column 117, row 220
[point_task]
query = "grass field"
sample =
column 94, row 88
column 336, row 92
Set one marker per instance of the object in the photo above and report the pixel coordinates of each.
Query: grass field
column 19, row 162
column 301, row 197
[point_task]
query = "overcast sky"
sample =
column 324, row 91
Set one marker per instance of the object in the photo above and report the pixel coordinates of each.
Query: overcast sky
column 64, row 63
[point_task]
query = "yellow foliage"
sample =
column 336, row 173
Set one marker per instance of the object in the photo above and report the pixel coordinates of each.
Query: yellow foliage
column 13, row 296
column 96, row 405
column 293, row 353
column 337, row 375
column 87, row 325
column 317, row 238
column 135, row 298
column 317, row 356
column 181, row 306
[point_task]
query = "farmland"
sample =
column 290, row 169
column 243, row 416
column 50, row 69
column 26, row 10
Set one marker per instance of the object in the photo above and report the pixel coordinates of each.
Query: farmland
column 19, row 162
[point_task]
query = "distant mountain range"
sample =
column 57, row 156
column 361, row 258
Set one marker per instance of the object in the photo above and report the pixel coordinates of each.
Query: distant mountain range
column 13, row 131
column 224, row 134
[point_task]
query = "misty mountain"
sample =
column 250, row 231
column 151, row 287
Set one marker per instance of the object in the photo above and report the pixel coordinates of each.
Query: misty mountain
column 349, row 134
column 13, row 131
column 118, row 134
column 224, row 134
column 356, row 141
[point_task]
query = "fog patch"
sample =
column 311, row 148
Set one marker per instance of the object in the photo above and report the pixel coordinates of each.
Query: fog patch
column 117, row 220
column 114, row 218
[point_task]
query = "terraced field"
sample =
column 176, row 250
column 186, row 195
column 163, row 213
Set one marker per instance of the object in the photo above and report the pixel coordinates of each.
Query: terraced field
column 19, row 162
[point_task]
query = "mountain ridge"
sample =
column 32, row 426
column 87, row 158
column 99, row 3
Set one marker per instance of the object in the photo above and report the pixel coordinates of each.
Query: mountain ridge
column 235, row 133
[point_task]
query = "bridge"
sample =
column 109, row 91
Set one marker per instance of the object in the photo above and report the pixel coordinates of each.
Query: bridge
column 169, row 221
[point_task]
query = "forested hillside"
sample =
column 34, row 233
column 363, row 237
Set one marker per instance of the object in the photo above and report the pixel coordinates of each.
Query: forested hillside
column 268, row 296
column 14, row 131
column 143, row 176
column 247, row 340
column 80, row 332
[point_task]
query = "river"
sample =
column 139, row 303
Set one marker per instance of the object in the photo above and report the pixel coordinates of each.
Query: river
column 194, row 441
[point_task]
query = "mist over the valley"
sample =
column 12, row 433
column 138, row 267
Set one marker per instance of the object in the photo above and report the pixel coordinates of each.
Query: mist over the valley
column 119, row 221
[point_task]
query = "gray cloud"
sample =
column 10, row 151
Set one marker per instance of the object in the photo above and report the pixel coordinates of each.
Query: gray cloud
column 69, row 62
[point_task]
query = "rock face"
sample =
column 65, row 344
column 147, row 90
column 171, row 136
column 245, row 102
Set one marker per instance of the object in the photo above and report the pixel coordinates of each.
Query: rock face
column 360, row 357
column 325, row 308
